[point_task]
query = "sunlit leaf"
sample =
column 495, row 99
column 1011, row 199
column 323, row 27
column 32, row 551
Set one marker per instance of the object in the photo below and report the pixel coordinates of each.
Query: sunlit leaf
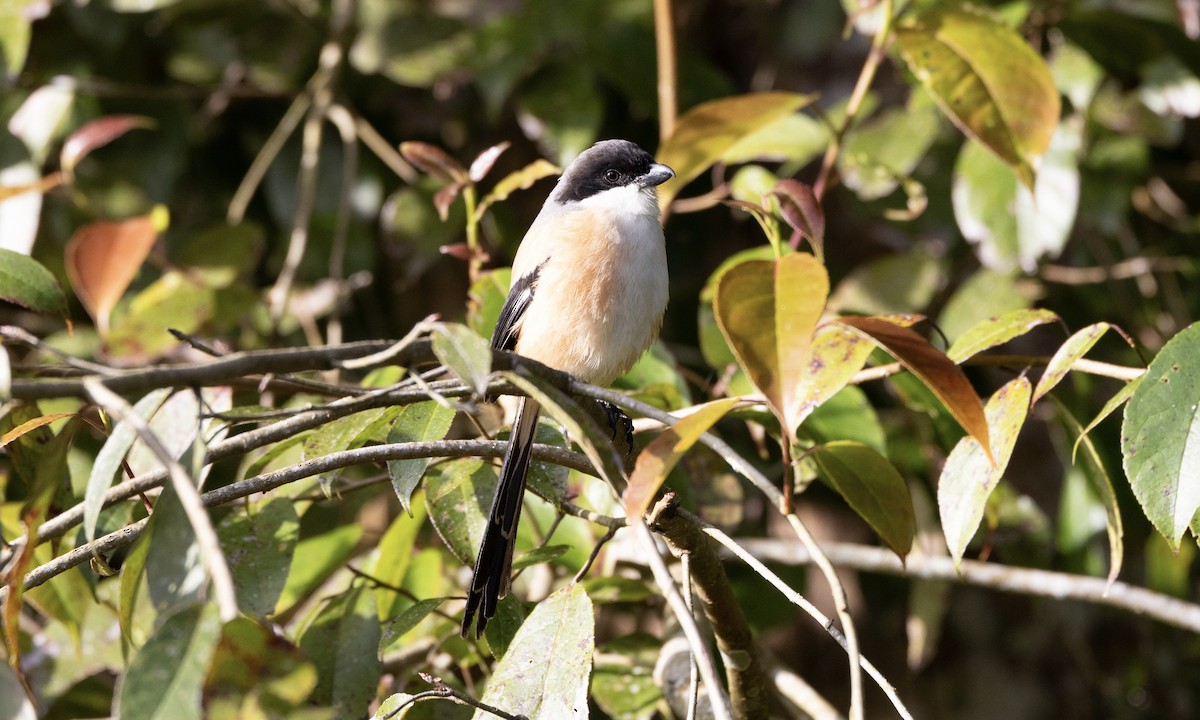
column 522, row 179
column 419, row 422
column 103, row 258
column 970, row 474
column 487, row 298
column 167, row 674
column 1065, row 357
column 395, row 554
column 483, row 162
column 349, row 432
column 768, row 311
column 658, row 458
column 706, row 132
column 937, row 371
column 872, row 487
column 1160, row 437
column 984, row 294
column 837, row 354
column 986, row 79
column 997, row 331
column 1118, row 399
column 96, row 134
column 544, row 674
column 30, row 425
column 1101, row 484
column 26, row 282
column 464, row 352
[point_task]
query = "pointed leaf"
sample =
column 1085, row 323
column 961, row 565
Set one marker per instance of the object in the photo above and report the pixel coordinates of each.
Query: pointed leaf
column 258, row 543
column 1160, row 437
column 803, row 212
column 96, row 134
column 29, row 425
column 483, row 162
column 167, row 674
column 986, row 79
column 522, row 179
column 937, row 371
column 26, row 282
column 1098, row 477
column 1074, row 348
column 342, row 640
column 394, row 558
column 706, row 132
column 349, row 432
column 103, row 258
column 837, row 355
column 873, row 488
column 658, row 458
column 997, row 331
column 435, row 161
column 544, row 674
column 419, row 422
column 1117, row 400
column 406, row 620
column 464, row 352
column 767, row 311
column 970, row 475
column 315, row 559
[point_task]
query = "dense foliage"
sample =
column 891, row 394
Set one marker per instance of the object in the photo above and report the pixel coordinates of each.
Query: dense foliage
column 930, row 303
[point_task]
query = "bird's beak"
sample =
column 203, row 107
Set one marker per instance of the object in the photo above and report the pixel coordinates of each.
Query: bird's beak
column 657, row 175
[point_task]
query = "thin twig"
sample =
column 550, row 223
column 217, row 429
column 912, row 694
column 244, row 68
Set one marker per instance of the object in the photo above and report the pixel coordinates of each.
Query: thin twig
column 21, row 335
column 341, row 119
column 1123, row 270
column 266, row 155
column 185, row 490
column 1091, row 367
column 664, row 46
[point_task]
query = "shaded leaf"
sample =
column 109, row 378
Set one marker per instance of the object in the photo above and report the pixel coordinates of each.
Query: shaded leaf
column 26, row 282
column 467, row 354
column 803, row 212
column 258, row 671
column 95, row 134
column 873, row 488
column 342, row 641
column 937, row 371
column 904, row 282
column 706, row 132
column 103, row 258
column 258, row 543
column 394, row 558
column 997, row 331
column 1101, row 484
column 970, row 474
column 986, row 79
column 458, row 499
column 408, row 619
column 1117, row 400
column 315, row 559
column 881, row 154
column 434, row 161
column 1160, row 437
column 1072, row 350
column 167, row 674
column 419, row 422
column 767, row 311
column 444, row 198
column 658, row 458
column 544, row 674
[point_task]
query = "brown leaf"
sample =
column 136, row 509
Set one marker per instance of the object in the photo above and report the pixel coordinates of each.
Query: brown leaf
column 434, row 161
column 96, row 134
column 802, row 210
column 938, row 372
column 103, row 258
column 445, row 198
column 482, row 164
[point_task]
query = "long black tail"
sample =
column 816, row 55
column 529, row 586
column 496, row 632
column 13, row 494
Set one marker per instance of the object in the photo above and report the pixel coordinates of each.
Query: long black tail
column 493, row 564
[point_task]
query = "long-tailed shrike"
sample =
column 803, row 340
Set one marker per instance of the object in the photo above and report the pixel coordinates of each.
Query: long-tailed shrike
column 588, row 295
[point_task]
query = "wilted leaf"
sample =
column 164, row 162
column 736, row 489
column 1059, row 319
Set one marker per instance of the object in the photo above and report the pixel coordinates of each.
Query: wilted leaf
column 1065, row 357
column 166, row 676
column 768, row 311
column 986, row 79
column 873, row 488
column 434, row 161
column 28, row 283
column 970, row 474
column 704, row 133
column 467, row 354
column 95, row 134
column 1160, row 437
column 658, row 458
column 937, row 371
column 997, row 331
column 522, row 179
column 419, row 422
column 103, row 258
column 544, row 674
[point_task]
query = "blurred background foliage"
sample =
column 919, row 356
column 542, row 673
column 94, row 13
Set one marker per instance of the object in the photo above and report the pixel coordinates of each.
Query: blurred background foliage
column 920, row 220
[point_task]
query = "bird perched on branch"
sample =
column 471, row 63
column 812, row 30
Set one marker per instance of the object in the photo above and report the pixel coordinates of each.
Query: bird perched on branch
column 588, row 295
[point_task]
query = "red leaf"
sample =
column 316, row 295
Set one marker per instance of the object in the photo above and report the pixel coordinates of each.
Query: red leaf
column 98, row 133
column 434, row 161
column 104, row 257
column 803, row 212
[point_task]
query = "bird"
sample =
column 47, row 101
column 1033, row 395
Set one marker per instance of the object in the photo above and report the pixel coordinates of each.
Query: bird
column 588, row 296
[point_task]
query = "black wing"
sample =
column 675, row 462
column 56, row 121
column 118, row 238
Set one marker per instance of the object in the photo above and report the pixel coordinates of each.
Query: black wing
column 515, row 305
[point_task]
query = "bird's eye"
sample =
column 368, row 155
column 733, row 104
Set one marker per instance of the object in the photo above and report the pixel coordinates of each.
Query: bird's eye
column 611, row 176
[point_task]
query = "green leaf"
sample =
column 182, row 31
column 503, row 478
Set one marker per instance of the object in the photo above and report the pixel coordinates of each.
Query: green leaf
column 457, row 498
column 1101, row 484
column 705, row 133
column 1072, row 350
column 165, row 678
column 847, row 415
column 997, row 331
column 258, row 543
column 314, row 559
column 467, row 354
column 1117, row 400
column 986, row 79
column 14, row 705
column 174, row 301
column 1009, row 225
column 768, row 311
column 28, row 283
column 985, row 294
column 873, row 488
column 15, row 19
column 539, row 555
column 488, row 294
column 658, row 458
column 969, row 476
column 937, row 371
column 1160, row 437
column 879, row 154
column 609, row 589
column 349, row 432
column 342, row 641
column 395, row 555
column 406, row 620
column 623, row 682
column 257, row 671
column 544, row 675
column 419, row 422
column 901, row 283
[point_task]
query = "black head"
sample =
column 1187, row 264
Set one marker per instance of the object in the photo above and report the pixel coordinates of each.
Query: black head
column 609, row 164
